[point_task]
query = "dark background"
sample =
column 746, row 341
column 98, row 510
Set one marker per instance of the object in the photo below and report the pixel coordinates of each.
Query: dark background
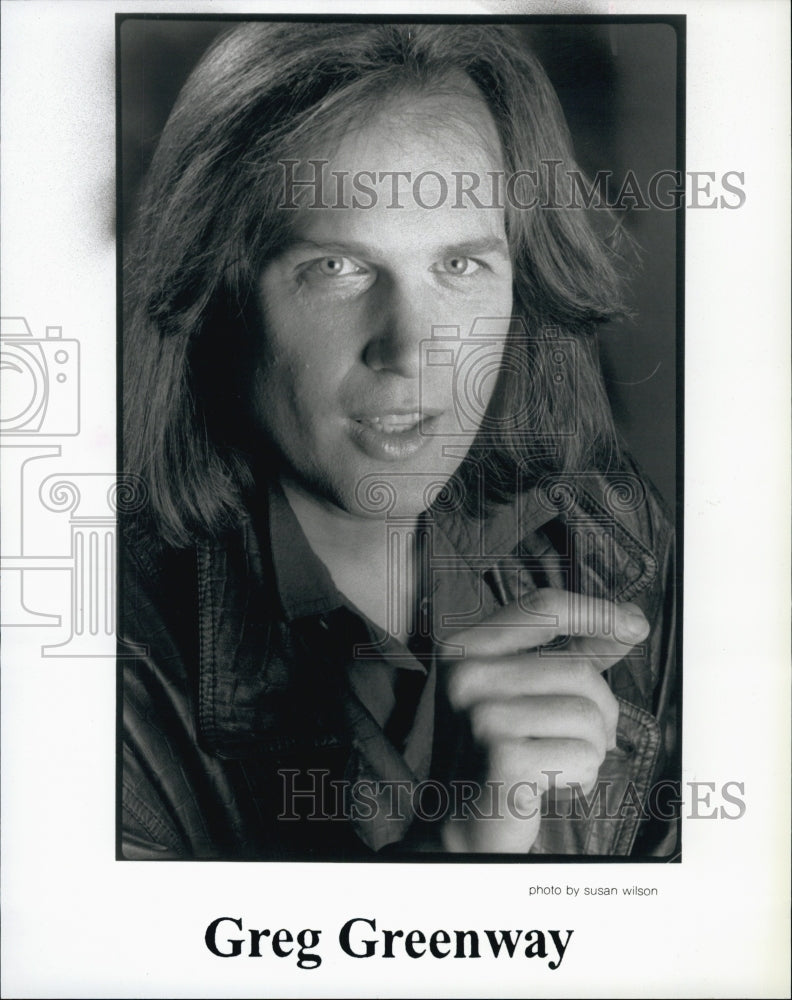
column 618, row 85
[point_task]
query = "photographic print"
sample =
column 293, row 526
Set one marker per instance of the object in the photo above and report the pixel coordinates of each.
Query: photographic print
column 395, row 488
column 403, row 585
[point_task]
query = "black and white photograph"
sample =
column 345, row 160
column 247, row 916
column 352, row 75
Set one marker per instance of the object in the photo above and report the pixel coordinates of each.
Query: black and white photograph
column 395, row 440
column 402, row 583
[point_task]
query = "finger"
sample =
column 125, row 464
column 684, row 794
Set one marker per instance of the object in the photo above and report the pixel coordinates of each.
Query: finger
column 537, row 718
column 599, row 653
column 509, row 824
column 541, row 764
column 530, row 674
column 519, row 772
column 549, row 614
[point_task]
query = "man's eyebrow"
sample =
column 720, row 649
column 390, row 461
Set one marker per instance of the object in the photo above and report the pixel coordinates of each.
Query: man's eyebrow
column 298, row 243
column 463, row 248
column 470, row 248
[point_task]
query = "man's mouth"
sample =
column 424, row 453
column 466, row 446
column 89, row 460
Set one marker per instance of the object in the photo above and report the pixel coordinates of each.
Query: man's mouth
column 392, row 423
column 394, row 435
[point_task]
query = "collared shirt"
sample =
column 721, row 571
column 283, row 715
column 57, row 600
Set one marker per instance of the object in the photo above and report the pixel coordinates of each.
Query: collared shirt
column 386, row 675
column 394, row 683
column 391, row 698
column 259, row 673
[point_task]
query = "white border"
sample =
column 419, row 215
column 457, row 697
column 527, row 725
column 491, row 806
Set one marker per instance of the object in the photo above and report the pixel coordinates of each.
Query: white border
column 78, row 923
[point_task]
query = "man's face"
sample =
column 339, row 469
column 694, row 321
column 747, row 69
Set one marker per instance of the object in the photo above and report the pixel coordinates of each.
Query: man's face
column 344, row 388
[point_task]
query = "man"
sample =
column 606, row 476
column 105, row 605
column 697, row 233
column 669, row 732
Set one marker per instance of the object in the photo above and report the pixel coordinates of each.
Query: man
column 382, row 559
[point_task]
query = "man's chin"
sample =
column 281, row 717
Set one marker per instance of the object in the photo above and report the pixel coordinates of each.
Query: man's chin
column 372, row 492
column 398, row 493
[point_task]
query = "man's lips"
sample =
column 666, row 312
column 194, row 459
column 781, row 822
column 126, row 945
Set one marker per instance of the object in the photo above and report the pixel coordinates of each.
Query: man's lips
column 391, row 423
column 393, row 435
column 397, row 421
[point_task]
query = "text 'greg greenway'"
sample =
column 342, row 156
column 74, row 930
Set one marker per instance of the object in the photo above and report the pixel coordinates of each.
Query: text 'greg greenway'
column 360, row 937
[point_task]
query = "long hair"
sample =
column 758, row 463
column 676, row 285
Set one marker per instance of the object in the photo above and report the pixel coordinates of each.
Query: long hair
column 208, row 222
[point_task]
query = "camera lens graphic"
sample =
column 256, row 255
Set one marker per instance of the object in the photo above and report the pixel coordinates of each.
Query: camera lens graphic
column 475, row 380
column 23, row 382
column 476, row 377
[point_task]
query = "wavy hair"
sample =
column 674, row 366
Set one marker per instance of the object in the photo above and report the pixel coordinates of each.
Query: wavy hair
column 208, row 221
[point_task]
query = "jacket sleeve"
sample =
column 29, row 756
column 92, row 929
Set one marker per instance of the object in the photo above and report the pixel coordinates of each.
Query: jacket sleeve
column 149, row 825
column 620, row 538
column 146, row 834
column 156, row 727
column 647, row 684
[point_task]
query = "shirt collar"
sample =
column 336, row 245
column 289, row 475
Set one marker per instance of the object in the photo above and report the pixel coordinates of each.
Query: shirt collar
column 305, row 587
column 304, row 584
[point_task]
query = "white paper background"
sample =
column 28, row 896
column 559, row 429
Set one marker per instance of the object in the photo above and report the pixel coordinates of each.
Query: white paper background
column 79, row 924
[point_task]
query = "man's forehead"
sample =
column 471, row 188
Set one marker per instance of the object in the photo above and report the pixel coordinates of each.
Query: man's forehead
column 450, row 131
column 422, row 170
column 452, row 125
column 451, row 104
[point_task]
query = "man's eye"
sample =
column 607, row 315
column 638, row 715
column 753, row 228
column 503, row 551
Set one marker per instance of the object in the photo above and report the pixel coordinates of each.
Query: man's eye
column 334, row 267
column 457, row 266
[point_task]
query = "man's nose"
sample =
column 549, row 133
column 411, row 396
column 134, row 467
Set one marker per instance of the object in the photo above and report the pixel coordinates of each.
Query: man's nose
column 401, row 320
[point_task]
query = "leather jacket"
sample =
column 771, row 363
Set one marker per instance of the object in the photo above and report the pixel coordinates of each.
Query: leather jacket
column 245, row 690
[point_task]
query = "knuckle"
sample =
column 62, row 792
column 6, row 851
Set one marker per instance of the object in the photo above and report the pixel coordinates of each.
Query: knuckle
column 587, row 782
column 506, row 761
column 481, row 721
column 548, row 601
column 507, row 764
column 611, row 711
column 590, row 771
column 594, row 729
column 578, row 765
column 607, row 702
column 585, row 711
column 584, row 764
column 592, row 758
column 461, row 683
column 456, row 686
